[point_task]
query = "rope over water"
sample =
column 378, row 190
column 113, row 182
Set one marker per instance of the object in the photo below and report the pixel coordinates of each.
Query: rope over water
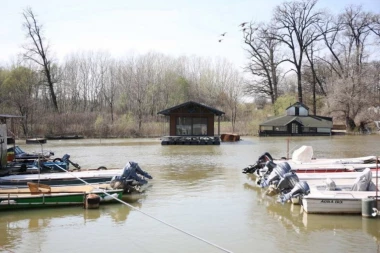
column 152, row 217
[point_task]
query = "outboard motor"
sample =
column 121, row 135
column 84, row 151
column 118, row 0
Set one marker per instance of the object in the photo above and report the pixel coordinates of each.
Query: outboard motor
column 129, row 186
column 300, row 189
column 252, row 168
column 277, row 174
column 66, row 159
column 265, row 157
column 264, row 172
column 259, row 164
column 288, row 182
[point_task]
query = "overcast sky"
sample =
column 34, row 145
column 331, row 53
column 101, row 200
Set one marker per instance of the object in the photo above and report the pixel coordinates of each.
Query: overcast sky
column 122, row 27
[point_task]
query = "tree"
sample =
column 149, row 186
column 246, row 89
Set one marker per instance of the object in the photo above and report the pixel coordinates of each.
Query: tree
column 296, row 25
column 19, row 87
column 347, row 44
column 263, row 60
column 38, row 52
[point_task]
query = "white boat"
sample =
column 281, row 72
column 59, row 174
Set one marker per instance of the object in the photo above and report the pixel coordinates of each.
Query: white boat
column 339, row 200
column 336, row 202
column 64, row 178
column 302, row 161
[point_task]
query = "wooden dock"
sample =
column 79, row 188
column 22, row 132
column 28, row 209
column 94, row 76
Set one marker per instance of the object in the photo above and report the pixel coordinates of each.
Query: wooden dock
column 190, row 140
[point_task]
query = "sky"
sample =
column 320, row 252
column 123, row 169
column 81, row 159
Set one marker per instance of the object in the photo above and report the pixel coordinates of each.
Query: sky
column 124, row 27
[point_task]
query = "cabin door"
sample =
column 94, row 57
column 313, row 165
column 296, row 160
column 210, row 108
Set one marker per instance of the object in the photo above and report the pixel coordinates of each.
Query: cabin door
column 294, row 128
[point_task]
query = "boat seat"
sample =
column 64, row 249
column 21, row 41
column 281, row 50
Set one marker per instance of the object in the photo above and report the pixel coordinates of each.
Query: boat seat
column 35, row 188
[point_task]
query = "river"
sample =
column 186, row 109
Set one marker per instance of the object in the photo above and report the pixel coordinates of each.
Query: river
column 199, row 201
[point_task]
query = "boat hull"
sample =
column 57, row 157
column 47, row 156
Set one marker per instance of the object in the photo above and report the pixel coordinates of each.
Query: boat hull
column 16, row 201
column 336, row 203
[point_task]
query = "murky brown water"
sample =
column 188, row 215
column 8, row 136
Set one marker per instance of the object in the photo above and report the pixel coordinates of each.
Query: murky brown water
column 199, row 189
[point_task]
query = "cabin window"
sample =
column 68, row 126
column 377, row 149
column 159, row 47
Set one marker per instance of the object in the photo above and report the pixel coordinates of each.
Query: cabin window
column 309, row 129
column 266, row 128
column 280, row 128
column 294, row 128
column 199, row 126
column 191, row 126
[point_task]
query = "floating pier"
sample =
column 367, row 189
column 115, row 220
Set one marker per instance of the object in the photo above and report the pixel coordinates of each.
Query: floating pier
column 190, row 140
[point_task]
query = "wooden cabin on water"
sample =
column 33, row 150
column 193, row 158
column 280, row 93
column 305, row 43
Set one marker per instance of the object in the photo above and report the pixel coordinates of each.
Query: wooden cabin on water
column 191, row 123
column 297, row 122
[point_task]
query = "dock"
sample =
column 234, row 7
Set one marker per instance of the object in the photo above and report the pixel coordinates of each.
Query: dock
column 190, row 140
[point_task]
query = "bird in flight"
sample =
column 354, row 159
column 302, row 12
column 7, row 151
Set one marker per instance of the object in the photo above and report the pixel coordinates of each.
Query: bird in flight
column 220, row 40
column 223, row 34
column 243, row 24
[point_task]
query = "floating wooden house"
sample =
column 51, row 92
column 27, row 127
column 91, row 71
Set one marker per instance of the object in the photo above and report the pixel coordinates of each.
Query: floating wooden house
column 191, row 123
column 297, row 122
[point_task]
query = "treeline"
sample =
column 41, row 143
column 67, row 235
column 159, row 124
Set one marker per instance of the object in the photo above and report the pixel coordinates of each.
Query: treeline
column 329, row 62
column 99, row 95
column 334, row 59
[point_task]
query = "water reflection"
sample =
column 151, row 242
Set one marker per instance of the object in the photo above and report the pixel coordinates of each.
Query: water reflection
column 293, row 218
column 14, row 225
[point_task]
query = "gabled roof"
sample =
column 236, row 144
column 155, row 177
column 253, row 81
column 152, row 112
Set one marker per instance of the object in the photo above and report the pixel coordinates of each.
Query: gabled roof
column 306, row 121
column 191, row 103
column 298, row 104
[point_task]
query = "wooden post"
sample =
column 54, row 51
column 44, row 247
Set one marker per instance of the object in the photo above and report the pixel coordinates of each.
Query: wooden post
column 287, row 150
column 377, row 170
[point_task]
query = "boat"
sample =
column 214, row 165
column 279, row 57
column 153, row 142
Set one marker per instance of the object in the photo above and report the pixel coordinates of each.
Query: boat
column 336, row 202
column 36, row 141
column 333, row 199
column 56, row 179
column 20, row 155
column 302, row 161
column 64, row 137
column 229, row 137
column 43, row 196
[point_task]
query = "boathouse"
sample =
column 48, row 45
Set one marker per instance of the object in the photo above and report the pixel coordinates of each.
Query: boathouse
column 4, row 138
column 296, row 122
column 191, row 123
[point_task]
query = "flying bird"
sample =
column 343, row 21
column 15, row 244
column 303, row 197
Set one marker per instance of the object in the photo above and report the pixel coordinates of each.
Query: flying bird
column 223, row 34
column 243, row 24
column 220, row 40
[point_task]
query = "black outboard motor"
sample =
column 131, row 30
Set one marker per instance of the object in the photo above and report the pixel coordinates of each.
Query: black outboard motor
column 66, row 159
column 277, row 174
column 252, row 168
column 264, row 172
column 288, row 182
column 260, row 163
column 300, row 189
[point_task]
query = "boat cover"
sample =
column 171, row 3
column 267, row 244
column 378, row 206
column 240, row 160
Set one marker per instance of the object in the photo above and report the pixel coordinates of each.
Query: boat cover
column 364, row 182
column 330, row 185
column 303, row 155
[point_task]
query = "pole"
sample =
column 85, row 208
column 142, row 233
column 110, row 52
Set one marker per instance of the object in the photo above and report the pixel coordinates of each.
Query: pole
column 287, row 150
column 377, row 172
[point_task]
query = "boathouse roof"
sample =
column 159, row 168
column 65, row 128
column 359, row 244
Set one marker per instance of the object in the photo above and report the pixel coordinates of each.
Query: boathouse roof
column 306, row 121
column 191, row 104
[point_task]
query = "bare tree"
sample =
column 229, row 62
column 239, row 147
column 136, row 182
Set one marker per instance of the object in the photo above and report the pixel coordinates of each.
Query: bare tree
column 296, row 25
column 263, row 60
column 38, row 51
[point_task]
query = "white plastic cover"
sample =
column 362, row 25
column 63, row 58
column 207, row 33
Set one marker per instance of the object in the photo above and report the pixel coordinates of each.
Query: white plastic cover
column 303, row 155
column 364, row 182
column 330, row 185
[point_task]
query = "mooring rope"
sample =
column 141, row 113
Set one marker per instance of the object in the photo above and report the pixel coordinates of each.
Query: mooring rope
column 151, row 216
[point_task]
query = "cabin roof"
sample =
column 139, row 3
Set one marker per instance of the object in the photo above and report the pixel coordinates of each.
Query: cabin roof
column 306, row 121
column 190, row 103
column 298, row 104
column 10, row 116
